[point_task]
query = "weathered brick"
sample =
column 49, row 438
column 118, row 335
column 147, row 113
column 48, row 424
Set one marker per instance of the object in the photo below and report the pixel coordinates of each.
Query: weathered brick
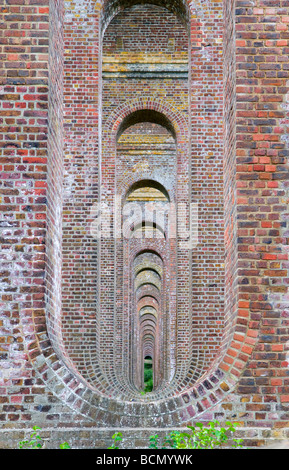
column 232, row 161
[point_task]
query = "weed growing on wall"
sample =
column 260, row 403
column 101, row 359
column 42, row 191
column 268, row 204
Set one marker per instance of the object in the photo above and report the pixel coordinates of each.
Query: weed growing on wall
column 117, row 437
column 37, row 442
column 199, row 436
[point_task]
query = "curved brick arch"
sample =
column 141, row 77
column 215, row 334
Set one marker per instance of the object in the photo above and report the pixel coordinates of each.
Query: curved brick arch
column 114, row 122
column 147, row 289
column 131, row 180
column 148, row 316
column 148, row 267
column 184, row 9
column 132, row 225
column 144, row 251
column 144, row 183
column 53, row 371
column 231, row 367
column 110, row 8
column 145, row 276
column 139, row 227
column 148, row 300
column 175, row 117
column 66, row 383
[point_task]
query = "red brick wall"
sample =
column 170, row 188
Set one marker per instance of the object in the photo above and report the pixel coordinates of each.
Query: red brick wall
column 262, row 175
column 24, row 125
column 58, row 350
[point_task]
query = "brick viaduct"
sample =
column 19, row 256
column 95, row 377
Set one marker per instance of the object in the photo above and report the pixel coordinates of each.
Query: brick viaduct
column 144, row 200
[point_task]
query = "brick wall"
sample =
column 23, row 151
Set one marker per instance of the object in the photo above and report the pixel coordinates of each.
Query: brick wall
column 24, row 94
column 262, row 172
column 121, row 108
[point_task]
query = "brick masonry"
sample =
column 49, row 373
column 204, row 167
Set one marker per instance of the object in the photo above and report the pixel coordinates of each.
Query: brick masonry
column 185, row 100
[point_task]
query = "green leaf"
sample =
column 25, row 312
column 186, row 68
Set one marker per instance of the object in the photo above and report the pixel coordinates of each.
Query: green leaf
column 64, row 445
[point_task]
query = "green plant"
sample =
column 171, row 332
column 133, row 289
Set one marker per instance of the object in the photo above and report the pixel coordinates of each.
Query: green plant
column 65, row 445
column 173, row 440
column 148, row 386
column 117, row 437
column 147, row 374
column 36, row 441
column 148, row 378
column 153, row 442
column 200, row 437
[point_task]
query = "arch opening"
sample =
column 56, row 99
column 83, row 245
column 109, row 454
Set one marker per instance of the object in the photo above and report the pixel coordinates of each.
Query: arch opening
column 146, row 159
column 148, row 374
column 127, row 101
column 149, row 116
column 113, row 7
column 144, row 190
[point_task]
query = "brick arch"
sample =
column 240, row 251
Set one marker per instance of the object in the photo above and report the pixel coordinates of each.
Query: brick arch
column 145, row 115
column 131, row 180
column 129, row 185
column 137, row 225
column 150, row 276
column 149, row 250
column 149, row 267
column 84, row 399
column 148, row 315
column 148, row 301
column 110, row 8
column 178, row 122
column 183, row 9
column 176, row 119
column 145, row 287
column 143, row 182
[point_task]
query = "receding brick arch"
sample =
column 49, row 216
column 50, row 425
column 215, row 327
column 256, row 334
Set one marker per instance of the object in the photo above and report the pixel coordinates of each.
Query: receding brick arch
column 148, row 286
column 145, row 115
column 149, row 267
column 112, row 7
column 143, row 183
column 155, row 111
column 196, row 400
column 142, row 224
column 161, row 112
column 148, row 299
column 140, row 228
column 147, row 276
column 145, row 314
